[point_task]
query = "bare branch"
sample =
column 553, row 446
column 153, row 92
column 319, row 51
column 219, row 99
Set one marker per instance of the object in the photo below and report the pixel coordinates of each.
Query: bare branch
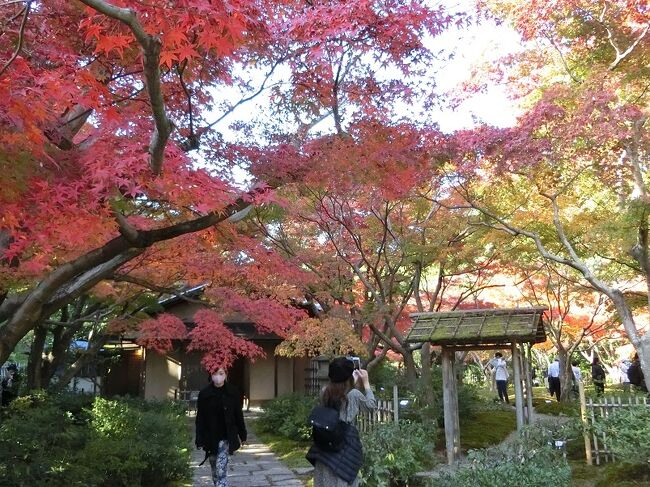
column 178, row 293
column 562, row 58
column 620, row 56
column 21, row 35
column 249, row 97
column 12, row 2
column 193, row 141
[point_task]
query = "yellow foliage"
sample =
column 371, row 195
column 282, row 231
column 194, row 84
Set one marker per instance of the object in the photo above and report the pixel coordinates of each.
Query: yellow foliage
column 312, row 337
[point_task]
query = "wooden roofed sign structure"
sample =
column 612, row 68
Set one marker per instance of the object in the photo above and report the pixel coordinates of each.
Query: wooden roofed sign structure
column 481, row 329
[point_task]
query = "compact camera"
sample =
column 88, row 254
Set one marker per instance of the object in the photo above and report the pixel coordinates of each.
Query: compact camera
column 356, row 361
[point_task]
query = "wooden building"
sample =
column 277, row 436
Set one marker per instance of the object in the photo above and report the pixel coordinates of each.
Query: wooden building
column 179, row 374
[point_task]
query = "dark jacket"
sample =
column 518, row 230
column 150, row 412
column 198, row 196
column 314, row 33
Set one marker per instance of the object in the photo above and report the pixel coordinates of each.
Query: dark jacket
column 207, row 418
column 635, row 375
column 345, row 463
column 597, row 373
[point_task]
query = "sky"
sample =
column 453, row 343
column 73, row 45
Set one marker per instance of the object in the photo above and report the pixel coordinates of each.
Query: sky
column 477, row 44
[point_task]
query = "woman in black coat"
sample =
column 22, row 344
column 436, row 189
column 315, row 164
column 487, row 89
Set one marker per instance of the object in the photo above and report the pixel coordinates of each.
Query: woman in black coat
column 220, row 427
column 598, row 376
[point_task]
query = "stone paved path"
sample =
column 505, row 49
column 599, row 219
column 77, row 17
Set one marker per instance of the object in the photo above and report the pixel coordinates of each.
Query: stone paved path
column 252, row 466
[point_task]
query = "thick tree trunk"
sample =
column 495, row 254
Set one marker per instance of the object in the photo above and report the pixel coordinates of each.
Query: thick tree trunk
column 643, row 349
column 409, row 368
column 641, row 342
column 566, row 375
column 86, row 357
column 427, row 379
column 459, row 359
column 34, row 366
column 60, row 346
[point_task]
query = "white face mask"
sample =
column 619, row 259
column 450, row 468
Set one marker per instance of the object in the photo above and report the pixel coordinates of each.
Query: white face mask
column 218, row 378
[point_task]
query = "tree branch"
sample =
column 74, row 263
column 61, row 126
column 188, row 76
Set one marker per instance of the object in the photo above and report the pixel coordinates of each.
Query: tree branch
column 178, row 293
column 78, row 276
column 620, row 56
column 151, row 59
column 21, row 35
column 574, row 262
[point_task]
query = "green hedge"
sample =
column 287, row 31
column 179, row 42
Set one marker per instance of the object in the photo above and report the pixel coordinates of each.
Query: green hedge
column 78, row 440
column 529, row 461
column 287, row 416
column 393, row 453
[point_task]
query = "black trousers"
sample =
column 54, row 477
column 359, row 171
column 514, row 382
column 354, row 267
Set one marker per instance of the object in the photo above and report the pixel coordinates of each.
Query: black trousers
column 599, row 386
column 554, row 387
column 502, row 389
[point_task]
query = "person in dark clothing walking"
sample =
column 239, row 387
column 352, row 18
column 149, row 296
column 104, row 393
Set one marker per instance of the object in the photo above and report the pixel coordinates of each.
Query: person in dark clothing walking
column 635, row 374
column 220, row 427
column 598, row 376
column 9, row 385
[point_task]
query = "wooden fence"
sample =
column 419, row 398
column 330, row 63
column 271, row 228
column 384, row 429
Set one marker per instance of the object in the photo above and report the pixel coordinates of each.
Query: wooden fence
column 593, row 410
column 387, row 412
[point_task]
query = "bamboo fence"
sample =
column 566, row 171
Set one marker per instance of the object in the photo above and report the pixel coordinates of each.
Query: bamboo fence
column 592, row 410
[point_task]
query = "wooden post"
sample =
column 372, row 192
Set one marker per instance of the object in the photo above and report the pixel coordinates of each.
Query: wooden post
column 519, row 398
column 524, row 381
column 585, row 423
column 528, row 358
column 395, row 404
column 450, row 403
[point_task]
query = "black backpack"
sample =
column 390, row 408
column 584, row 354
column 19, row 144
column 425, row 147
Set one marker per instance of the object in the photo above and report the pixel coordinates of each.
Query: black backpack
column 327, row 429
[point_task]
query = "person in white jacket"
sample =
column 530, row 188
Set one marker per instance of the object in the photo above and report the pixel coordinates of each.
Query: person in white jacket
column 501, row 375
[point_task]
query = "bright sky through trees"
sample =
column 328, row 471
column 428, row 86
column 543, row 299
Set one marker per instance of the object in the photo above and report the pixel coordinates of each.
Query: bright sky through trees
column 478, row 44
column 461, row 52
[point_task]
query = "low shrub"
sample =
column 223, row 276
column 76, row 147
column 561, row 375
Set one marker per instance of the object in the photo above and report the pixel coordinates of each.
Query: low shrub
column 394, row 452
column 62, row 440
column 287, row 415
column 137, row 441
column 383, row 376
column 529, row 461
column 40, row 444
column 427, row 410
column 628, row 434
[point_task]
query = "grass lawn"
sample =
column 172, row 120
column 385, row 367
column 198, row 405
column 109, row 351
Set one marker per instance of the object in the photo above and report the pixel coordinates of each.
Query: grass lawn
column 610, row 474
column 486, row 428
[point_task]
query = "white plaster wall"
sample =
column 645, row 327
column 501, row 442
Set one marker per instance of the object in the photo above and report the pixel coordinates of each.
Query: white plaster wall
column 163, row 374
column 285, row 375
column 262, row 377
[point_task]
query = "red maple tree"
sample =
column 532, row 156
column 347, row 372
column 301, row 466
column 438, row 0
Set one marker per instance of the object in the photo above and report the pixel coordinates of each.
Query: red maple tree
column 108, row 146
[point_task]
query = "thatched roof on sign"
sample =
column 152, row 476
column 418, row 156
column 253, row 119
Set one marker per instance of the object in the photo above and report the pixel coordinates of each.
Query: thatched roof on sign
column 479, row 327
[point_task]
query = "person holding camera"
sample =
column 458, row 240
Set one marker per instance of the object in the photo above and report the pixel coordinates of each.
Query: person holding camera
column 348, row 391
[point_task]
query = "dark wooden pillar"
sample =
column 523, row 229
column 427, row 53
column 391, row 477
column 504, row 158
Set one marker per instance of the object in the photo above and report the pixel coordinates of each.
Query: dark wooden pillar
column 519, row 395
column 450, row 403
column 528, row 361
